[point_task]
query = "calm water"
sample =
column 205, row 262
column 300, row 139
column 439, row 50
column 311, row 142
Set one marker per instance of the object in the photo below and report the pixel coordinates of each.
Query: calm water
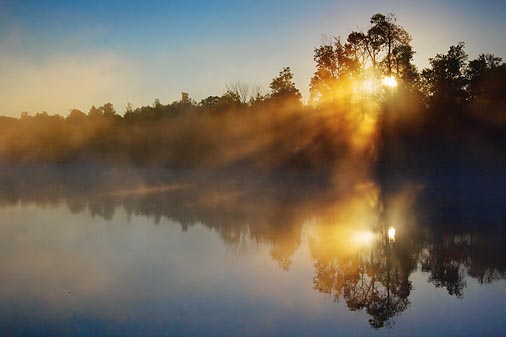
column 124, row 252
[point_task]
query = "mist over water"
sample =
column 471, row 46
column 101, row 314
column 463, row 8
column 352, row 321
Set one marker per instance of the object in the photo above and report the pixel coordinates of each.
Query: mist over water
column 124, row 250
column 376, row 207
column 371, row 216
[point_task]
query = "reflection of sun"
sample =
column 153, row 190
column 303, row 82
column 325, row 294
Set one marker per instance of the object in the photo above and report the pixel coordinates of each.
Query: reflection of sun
column 389, row 81
column 391, row 234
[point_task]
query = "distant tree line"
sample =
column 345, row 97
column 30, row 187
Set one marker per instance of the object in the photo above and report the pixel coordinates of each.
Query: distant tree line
column 452, row 96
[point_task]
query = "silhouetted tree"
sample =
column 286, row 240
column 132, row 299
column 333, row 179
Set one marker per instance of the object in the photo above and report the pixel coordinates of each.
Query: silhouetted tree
column 487, row 90
column 256, row 96
column 477, row 72
column 405, row 70
column 230, row 99
column 76, row 115
column 241, row 90
column 445, row 81
column 209, row 102
column 108, row 110
column 283, row 87
column 385, row 34
column 326, row 74
column 95, row 112
column 342, row 69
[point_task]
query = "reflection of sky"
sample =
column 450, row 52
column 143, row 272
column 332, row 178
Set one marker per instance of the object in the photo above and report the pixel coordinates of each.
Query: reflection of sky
column 432, row 308
column 76, row 53
column 62, row 272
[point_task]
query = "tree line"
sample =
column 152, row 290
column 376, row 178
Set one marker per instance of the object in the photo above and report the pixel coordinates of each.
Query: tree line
column 369, row 68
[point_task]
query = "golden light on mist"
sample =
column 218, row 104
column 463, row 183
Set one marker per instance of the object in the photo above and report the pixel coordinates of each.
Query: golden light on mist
column 391, row 234
column 345, row 228
column 368, row 86
column 389, row 81
column 365, row 128
column 363, row 238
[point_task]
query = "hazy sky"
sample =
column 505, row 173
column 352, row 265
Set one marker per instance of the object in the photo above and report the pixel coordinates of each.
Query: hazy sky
column 57, row 55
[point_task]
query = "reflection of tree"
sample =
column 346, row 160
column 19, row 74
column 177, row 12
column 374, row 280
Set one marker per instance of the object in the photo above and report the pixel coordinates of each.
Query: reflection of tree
column 234, row 209
column 360, row 265
column 372, row 279
column 271, row 211
column 449, row 258
column 484, row 263
column 444, row 270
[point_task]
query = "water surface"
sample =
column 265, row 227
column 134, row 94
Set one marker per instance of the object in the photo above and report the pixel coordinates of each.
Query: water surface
column 129, row 252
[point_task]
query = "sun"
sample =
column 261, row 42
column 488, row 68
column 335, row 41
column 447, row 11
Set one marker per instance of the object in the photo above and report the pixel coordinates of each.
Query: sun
column 389, row 81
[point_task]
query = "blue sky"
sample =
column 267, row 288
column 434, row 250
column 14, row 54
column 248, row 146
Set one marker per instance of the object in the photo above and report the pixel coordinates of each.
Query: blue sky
column 57, row 55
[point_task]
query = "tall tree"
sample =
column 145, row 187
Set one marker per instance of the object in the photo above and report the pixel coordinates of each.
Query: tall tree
column 353, row 55
column 477, row 72
column 358, row 65
column 445, row 81
column 486, row 87
column 402, row 58
column 325, row 76
column 386, row 36
column 283, row 87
